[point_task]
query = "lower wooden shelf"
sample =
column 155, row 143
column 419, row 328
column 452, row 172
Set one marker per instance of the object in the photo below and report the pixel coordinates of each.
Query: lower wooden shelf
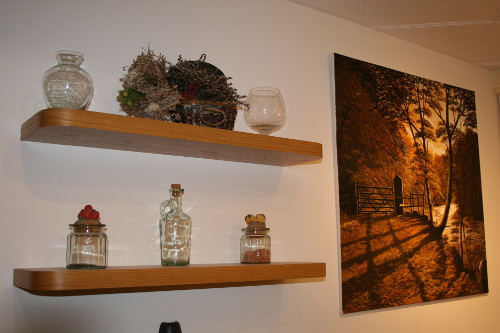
column 126, row 279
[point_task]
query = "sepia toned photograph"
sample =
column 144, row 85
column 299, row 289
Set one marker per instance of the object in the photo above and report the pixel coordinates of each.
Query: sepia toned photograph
column 409, row 184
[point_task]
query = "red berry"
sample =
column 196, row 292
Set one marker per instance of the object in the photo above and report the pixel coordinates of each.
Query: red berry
column 88, row 207
column 94, row 215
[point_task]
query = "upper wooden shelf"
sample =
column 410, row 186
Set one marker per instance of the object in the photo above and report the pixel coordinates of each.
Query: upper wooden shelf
column 64, row 282
column 103, row 130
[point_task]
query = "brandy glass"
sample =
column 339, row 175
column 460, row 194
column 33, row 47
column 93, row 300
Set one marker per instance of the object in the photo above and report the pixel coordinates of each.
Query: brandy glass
column 265, row 113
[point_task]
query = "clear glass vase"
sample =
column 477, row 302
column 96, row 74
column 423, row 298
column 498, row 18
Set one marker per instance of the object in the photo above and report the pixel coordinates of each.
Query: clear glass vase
column 67, row 85
column 175, row 230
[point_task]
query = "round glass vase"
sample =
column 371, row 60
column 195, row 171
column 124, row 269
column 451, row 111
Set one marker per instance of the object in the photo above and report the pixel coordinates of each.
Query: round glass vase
column 87, row 247
column 265, row 113
column 67, row 85
column 255, row 246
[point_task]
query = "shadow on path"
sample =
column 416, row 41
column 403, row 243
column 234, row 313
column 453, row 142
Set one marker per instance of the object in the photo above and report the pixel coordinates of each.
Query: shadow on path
column 392, row 260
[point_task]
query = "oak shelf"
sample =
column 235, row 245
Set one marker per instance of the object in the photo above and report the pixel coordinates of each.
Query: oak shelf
column 125, row 279
column 109, row 131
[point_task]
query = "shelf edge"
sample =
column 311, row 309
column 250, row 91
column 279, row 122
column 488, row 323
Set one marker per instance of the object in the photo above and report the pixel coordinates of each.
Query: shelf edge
column 109, row 131
column 61, row 281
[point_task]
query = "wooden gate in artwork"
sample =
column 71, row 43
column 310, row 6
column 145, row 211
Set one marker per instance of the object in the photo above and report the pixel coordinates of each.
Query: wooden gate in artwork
column 376, row 199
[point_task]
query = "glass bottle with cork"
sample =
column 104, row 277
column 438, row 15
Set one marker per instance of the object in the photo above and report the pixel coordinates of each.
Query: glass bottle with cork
column 175, row 230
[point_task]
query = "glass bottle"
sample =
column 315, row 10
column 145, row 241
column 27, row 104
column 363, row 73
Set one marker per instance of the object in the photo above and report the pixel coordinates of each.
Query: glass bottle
column 255, row 244
column 67, row 85
column 175, row 230
column 87, row 247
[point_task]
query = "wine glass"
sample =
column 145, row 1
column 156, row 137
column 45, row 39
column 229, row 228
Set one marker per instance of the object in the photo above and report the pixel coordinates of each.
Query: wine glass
column 266, row 111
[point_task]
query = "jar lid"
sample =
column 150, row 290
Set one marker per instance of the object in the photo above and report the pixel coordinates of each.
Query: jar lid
column 260, row 225
column 256, row 229
column 87, row 225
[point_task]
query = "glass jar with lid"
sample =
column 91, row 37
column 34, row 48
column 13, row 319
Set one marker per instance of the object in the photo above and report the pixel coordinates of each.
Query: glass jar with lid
column 255, row 244
column 87, row 247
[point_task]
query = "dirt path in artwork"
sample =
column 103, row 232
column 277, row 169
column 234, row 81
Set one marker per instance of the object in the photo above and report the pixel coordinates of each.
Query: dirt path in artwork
column 392, row 260
column 437, row 213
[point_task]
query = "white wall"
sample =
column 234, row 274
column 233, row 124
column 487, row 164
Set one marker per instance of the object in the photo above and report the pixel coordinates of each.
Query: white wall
column 257, row 42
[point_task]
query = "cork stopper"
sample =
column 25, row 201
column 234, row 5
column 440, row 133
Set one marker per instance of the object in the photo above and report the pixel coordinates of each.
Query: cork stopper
column 176, row 190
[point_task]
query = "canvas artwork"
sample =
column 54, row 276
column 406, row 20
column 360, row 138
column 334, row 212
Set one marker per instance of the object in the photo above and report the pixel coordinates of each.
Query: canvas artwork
column 409, row 185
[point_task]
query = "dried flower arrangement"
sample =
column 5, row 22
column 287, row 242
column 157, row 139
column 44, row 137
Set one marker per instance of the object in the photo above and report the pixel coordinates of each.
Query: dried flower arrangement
column 199, row 80
column 156, row 89
column 147, row 92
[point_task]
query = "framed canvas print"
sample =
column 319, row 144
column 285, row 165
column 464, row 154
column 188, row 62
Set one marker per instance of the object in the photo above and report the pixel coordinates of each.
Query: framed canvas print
column 409, row 188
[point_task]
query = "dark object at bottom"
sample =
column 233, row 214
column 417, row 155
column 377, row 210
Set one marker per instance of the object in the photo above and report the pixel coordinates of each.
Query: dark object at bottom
column 174, row 327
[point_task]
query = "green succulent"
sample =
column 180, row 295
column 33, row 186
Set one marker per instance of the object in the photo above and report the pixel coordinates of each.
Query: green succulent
column 129, row 96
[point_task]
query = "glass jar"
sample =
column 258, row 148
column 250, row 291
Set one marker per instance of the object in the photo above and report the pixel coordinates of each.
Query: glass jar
column 87, row 247
column 255, row 245
column 175, row 230
column 67, row 85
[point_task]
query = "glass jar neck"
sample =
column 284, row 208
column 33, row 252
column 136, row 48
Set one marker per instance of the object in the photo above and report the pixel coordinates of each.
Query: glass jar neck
column 255, row 231
column 69, row 58
column 87, row 228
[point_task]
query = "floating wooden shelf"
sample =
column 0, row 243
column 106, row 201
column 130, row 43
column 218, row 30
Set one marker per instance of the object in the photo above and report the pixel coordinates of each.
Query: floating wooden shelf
column 109, row 131
column 63, row 282
column 101, row 130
